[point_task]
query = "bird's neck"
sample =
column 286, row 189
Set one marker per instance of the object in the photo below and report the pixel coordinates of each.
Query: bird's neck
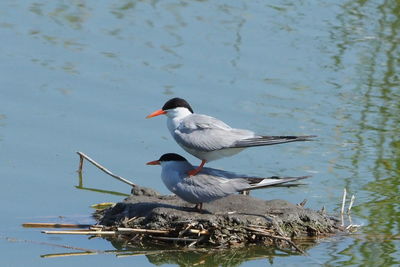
column 175, row 117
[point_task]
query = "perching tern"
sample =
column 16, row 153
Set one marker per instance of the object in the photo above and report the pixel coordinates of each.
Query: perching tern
column 208, row 138
column 209, row 184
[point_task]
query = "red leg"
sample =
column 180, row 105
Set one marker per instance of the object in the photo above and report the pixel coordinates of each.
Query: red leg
column 198, row 169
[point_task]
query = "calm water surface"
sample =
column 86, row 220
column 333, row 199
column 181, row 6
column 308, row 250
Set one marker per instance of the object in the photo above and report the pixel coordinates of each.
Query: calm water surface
column 80, row 75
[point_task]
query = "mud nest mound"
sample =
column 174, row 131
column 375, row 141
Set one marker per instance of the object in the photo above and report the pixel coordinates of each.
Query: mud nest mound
column 231, row 221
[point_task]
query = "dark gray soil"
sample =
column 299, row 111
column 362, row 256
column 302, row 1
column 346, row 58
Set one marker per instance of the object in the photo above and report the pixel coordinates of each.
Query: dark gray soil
column 230, row 221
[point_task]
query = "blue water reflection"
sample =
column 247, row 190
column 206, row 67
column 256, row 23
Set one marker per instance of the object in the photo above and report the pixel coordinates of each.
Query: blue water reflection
column 82, row 76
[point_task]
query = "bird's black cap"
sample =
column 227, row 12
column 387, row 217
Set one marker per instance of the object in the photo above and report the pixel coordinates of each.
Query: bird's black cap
column 176, row 103
column 172, row 157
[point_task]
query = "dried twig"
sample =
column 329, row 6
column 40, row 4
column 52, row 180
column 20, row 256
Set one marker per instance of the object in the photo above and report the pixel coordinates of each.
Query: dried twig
column 142, row 231
column 182, row 239
column 83, row 156
column 343, row 201
column 55, row 225
column 199, row 232
column 80, row 232
column 200, row 239
column 352, row 227
column 323, row 210
column 58, row 255
column 121, row 230
column 187, row 228
column 303, row 203
column 97, row 227
column 351, row 204
column 132, row 219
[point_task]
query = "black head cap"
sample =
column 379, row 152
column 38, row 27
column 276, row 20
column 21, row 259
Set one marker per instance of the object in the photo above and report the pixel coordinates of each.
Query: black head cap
column 176, row 103
column 171, row 157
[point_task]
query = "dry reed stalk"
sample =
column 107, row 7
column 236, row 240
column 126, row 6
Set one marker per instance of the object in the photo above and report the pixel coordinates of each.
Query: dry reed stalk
column 55, row 225
column 84, row 156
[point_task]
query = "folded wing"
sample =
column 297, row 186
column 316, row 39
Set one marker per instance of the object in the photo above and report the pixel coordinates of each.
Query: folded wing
column 205, row 133
column 270, row 140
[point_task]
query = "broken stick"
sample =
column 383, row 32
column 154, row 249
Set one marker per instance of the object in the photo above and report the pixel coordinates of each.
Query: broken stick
column 84, row 156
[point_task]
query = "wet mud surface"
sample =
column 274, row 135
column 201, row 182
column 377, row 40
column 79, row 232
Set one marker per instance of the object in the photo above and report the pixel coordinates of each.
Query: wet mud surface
column 231, row 221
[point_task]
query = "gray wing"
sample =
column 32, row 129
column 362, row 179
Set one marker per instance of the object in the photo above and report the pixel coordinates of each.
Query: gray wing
column 270, row 140
column 205, row 133
column 205, row 188
column 253, row 180
column 226, row 174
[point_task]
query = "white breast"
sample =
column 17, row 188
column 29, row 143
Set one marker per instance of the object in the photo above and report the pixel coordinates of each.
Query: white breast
column 212, row 155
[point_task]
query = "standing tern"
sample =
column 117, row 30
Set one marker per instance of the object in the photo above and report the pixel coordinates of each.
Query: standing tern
column 208, row 138
column 209, row 184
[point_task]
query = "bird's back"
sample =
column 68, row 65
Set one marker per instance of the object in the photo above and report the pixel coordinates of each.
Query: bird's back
column 206, row 134
column 205, row 188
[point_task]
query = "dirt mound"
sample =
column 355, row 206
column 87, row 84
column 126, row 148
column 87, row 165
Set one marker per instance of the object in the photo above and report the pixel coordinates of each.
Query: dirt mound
column 230, row 221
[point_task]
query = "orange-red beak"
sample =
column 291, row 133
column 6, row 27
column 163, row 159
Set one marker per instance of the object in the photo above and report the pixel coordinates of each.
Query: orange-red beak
column 154, row 162
column 156, row 113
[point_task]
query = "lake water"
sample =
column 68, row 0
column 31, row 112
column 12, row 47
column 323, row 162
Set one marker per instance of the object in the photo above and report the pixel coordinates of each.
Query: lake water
column 82, row 75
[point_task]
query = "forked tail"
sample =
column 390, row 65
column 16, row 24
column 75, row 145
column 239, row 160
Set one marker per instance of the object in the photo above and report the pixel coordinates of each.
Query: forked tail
column 274, row 181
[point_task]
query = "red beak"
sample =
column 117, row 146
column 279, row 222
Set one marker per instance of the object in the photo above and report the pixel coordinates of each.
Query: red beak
column 156, row 113
column 154, row 162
